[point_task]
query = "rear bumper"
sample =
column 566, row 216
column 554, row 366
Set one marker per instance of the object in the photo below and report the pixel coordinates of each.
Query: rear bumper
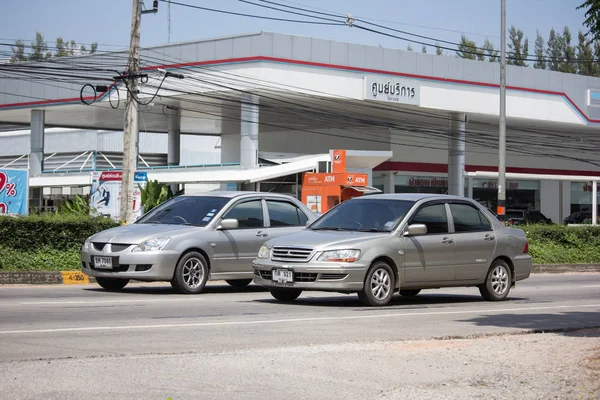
column 144, row 266
column 523, row 265
column 344, row 278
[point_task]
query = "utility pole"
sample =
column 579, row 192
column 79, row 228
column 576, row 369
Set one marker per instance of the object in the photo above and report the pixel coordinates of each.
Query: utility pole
column 131, row 130
column 169, row 22
column 502, row 130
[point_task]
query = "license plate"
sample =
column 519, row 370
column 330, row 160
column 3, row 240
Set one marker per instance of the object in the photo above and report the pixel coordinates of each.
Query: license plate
column 103, row 262
column 283, row 276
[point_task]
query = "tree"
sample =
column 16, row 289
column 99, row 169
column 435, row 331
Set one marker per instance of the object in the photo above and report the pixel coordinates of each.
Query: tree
column 39, row 49
column 585, row 54
column 61, row 48
column 18, row 52
column 490, row 51
column 409, row 47
column 540, row 61
column 424, row 49
column 468, row 49
column 72, row 47
column 438, row 50
column 518, row 48
column 592, row 18
column 568, row 63
column 554, row 50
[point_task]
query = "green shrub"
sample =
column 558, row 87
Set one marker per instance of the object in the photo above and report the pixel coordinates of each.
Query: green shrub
column 561, row 244
column 49, row 231
column 41, row 259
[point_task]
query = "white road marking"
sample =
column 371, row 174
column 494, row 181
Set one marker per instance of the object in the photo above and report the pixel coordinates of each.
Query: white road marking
column 87, row 302
column 591, row 286
column 293, row 320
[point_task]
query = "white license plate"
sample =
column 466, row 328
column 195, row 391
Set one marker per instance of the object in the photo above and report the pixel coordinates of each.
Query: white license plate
column 103, row 262
column 283, row 276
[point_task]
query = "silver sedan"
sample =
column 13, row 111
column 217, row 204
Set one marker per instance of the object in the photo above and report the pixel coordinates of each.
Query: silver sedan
column 190, row 239
column 378, row 244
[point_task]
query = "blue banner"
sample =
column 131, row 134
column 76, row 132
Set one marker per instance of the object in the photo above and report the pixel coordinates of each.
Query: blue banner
column 14, row 185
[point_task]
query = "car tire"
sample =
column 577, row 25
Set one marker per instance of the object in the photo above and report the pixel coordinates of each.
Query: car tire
column 497, row 282
column 285, row 294
column 239, row 283
column 410, row 293
column 190, row 274
column 380, row 284
column 112, row 284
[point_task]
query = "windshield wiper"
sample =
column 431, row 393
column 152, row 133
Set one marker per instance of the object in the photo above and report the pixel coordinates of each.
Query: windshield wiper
column 329, row 228
column 151, row 222
column 372, row 230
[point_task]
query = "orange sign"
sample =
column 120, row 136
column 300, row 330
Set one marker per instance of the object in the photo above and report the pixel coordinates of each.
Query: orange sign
column 338, row 161
column 335, row 179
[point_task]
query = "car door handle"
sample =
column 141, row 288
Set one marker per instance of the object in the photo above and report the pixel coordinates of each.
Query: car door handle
column 488, row 237
column 447, row 240
column 261, row 234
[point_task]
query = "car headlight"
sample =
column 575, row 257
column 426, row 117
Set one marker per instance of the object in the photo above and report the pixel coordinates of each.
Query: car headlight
column 264, row 252
column 153, row 244
column 86, row 244
column 346, row 255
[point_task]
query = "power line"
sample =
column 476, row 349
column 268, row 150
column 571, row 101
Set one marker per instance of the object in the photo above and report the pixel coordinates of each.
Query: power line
column 332, row 13
column 251, row 15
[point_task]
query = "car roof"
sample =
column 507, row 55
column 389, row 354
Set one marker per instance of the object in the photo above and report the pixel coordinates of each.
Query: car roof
column 414, row 196
column 232, row 194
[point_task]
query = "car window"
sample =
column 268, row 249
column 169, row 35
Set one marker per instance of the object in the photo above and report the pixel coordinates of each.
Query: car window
column 468, row 219
column 536, row 216
column 283, row 213
column 486, row 225
column 514, row 214
column 434, row 217
column 185, row 210
column 364, row 214
column 249, row 214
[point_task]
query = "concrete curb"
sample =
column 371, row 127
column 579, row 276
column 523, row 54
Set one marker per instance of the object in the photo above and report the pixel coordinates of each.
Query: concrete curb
column 76, row 277
column 561, row 268
column 44, row 278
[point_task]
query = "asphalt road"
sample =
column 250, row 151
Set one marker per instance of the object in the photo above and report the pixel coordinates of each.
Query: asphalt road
column 146, row 341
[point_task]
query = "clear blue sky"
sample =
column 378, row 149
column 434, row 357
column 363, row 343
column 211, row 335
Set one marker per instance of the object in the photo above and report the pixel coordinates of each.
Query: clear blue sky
column 108, row 21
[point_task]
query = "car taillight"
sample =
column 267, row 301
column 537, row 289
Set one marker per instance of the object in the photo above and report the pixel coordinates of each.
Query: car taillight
column 526, row 249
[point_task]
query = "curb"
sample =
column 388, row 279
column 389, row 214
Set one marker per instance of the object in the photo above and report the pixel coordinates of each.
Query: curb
column 44, row 278
column 562, row 268
column 77, row 277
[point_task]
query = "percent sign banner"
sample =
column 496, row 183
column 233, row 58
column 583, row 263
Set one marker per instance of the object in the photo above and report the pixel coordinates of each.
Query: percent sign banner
column 14, row 185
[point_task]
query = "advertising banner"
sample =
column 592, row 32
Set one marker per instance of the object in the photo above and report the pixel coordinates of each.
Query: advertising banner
column 14, row 191
column 105, row 195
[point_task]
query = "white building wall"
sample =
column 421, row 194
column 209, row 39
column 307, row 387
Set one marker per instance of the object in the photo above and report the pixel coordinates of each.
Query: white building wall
column 550, row 199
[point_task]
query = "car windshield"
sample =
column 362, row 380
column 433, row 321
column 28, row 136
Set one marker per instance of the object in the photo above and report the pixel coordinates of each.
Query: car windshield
column 364, row 215
column 185, row 210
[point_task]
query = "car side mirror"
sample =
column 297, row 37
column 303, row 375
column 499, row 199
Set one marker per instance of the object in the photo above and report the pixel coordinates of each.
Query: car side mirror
column 227, row 224
column 416, row 230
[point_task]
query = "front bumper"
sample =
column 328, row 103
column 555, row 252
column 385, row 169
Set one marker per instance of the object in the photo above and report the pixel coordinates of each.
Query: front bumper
column 144, row 266
column 322, row 276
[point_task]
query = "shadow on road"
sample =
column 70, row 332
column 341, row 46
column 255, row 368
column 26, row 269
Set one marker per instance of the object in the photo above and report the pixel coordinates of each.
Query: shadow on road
column 398, row 302
column 543, row 322
column 167, row 289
